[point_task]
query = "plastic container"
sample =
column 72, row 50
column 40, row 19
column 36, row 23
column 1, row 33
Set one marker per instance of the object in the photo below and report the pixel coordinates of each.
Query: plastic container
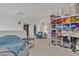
column 39, row 35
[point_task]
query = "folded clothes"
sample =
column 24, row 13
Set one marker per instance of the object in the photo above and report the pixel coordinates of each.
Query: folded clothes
column 14, row 43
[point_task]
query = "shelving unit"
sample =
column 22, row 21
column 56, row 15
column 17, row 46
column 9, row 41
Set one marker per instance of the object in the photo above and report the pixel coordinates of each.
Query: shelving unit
column 62, row 23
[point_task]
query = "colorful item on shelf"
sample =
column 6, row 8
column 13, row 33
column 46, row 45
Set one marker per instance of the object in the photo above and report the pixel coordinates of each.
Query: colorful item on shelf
column 59, row 27
column 73, row 19
column 59, row 21
column 53, row 26
column 53, row 21
column 77, row 18
column 66, row 27
column 65, row 20
column 75, row 25
column 53, row 33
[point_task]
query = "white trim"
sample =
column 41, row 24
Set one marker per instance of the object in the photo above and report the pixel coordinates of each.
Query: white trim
column 66, row 16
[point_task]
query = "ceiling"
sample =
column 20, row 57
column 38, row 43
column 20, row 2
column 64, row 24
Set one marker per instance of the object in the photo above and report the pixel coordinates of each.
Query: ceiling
column 33, row 11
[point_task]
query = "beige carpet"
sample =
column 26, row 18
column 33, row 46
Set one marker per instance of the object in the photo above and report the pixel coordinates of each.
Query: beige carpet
column 42, row 48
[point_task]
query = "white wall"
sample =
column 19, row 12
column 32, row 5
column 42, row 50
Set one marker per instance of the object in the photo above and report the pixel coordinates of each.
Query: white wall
column 9, row 22
column 9, row 19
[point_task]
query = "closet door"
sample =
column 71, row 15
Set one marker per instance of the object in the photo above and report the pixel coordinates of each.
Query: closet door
column 26, row 28
column 34, row 30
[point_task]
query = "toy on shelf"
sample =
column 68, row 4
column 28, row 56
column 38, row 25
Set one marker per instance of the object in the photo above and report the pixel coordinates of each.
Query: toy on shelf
column 66, row 27
column 53, row 33
column 58, row 27
column 77, row 18
column 59, row 21
column 53, row 26
column 75, row 25
column 73, row 19
column 59, row 37
column 53, row 21
column 66, row 20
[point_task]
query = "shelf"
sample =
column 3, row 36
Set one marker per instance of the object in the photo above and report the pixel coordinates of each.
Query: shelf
column 68, row 16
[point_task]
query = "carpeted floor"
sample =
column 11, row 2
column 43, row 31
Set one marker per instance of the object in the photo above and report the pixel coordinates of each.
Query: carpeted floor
column 42, row 48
